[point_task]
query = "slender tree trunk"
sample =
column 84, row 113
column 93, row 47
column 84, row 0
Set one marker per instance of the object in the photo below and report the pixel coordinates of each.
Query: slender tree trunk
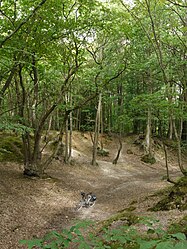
column 119, row 150
column 49, row 124
column 170, row 128
column 7, row 83
column 36, row 89
column 184, row 67
column 166, row 163
column 120, row 112
column 70, row 136
column 66, row 141
column 68, row 131
column 96, row 134
column 184, row 123
column 101, row 124
column 147, row 142
column 177, row 136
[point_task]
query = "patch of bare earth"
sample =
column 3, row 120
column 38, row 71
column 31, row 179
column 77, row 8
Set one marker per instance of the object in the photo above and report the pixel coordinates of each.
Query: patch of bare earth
column 31, row 207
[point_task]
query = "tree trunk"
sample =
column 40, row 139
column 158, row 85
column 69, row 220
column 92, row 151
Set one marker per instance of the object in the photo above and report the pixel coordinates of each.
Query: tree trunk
column 7, row 83
column 184, row 67
column 70, row 135
column 119, row 150
column 34, row 77
column 96, row 134
column 101, row 125
column 120, row 113
column 166, row 161
column 184, row 132
column 178, row 139
column 66, row 141
column 147, row 142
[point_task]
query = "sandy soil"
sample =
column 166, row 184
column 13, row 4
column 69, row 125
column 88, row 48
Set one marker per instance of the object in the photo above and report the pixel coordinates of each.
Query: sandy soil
column 31, row 207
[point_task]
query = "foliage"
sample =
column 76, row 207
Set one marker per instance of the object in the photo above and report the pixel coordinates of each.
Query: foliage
column 8, row 125
column 123, row 236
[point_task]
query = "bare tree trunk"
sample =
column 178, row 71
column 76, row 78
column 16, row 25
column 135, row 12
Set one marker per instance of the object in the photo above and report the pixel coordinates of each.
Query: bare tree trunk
column 170, row 128
column 178, row 139
column 96, row 134
column 147, row 142
column 120, row 112
column 70, row 128
column 66, row 141
column 70, row 136
column 35, row 79
column 49, row 124
column 7, row 83
column 166, row 161
column 119, row 150
column 68, row 131
column 101, row 123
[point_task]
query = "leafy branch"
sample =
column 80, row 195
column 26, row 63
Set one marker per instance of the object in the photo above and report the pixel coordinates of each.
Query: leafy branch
column 22, row 23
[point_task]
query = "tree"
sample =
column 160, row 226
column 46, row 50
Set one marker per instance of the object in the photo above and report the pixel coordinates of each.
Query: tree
column 52, row 45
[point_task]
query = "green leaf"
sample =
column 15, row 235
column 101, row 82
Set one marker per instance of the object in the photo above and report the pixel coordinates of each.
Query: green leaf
column 165, row 245
column 83, row 245
column 122, row 239
column 148, row 244
column 52, row 245
column 32, row 243
column 66, row 243
column 179, row 236
column 181, row 245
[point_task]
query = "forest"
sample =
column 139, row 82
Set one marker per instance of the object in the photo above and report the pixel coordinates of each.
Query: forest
column 94, row 73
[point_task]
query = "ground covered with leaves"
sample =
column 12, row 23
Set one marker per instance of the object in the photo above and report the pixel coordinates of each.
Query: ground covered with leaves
column 31, row 207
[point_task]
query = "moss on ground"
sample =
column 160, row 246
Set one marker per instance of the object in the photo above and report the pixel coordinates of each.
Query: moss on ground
column 124, row 216
column 176, row 197
column 10, row 148
column 148, row 159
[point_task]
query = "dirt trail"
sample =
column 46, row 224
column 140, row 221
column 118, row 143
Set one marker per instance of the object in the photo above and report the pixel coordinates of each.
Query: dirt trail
column 31, row 207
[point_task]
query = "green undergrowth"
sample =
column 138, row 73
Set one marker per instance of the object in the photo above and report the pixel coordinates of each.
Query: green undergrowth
column 146, row 233
column 10, row 148
column 174, row 197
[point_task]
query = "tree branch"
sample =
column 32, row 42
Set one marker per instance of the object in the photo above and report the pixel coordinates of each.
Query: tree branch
column 22, row 23
column 177, row 4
